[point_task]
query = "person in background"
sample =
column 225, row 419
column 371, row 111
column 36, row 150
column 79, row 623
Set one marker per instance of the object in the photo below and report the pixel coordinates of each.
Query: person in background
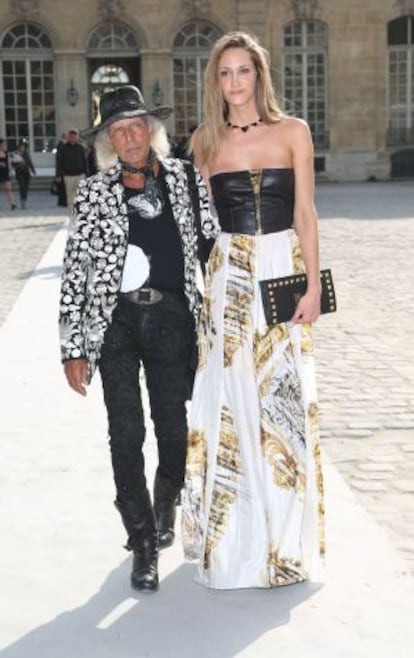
column 253, row 511
column 181, row 146
column 23, row 167
column 129, row 300
column 91, row 158
column 5, row 179
column 61, row 190
column 71, row 165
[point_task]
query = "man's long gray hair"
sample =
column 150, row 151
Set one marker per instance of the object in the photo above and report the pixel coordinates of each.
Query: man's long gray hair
column 106, row 156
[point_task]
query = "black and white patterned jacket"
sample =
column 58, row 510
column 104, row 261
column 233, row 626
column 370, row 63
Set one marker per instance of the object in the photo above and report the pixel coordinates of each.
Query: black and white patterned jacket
column 96, row 249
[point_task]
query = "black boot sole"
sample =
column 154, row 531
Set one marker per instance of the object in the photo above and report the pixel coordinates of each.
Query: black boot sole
column 145, row 583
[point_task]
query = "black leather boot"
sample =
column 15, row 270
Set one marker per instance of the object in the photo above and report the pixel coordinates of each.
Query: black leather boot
column 165, row 508
column 144, row 575
column 140, row 525
column 165, row 515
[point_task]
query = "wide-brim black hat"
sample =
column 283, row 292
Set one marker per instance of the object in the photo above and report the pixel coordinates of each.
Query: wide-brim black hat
column 124, row 103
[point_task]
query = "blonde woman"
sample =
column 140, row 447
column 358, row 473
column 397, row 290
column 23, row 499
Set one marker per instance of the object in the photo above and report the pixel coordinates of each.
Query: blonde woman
column 253, row 508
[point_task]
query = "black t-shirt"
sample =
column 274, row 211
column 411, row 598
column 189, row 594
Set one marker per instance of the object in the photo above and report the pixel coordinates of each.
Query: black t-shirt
column 159, row 239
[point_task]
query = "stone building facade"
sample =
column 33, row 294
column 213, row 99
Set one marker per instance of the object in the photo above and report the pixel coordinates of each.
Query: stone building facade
column 346, row 67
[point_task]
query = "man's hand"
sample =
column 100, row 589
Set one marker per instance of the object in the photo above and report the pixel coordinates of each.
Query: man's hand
column 76, row 371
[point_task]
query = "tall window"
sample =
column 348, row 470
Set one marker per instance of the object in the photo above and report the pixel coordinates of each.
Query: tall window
column 401, row 80
column 28, row 86
column 305, row 76
column 191, row 47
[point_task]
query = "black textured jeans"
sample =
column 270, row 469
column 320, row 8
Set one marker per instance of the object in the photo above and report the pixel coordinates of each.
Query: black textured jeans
column 160, row 337
column 23, row 180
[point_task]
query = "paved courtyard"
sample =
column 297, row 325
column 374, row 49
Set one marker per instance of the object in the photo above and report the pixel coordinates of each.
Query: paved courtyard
column 366, row 368
column 52, row 444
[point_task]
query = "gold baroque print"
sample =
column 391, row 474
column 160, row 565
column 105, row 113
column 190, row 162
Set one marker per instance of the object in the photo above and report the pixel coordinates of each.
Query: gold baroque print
column 262, row 349
column 265, row 343
column 283, row 571
column 196, row 453
column 281, row 403
column 306, row 339
column 194, row 494
column 321, row 501
column 206, row 331
column 287, row 472
column 298, row 264
column 228, row 455
column 215, row 261
column 239, row 295
column 313, row 415
column 229, row 468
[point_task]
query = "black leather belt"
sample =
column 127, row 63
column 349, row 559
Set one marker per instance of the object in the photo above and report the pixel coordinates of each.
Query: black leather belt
column 143, row 296
column 248, row 225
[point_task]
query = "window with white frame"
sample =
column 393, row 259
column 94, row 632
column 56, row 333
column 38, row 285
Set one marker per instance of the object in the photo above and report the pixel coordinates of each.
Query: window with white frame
column 305, row 76
column 27, row 73
column 401, row 80
column 191, row 49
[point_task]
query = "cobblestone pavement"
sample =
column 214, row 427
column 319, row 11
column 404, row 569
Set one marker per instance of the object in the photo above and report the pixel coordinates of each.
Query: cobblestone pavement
column 365, row 364
column 24, row 237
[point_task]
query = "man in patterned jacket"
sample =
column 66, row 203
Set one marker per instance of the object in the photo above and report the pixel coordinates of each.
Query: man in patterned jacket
column 129, row 300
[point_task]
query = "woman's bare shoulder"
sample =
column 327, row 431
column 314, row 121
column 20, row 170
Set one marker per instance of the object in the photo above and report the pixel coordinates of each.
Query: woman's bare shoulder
column 293, row 125
column 197, row 135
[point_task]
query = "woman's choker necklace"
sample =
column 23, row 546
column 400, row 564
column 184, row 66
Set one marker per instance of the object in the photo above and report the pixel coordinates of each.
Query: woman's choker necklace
column 246, row 127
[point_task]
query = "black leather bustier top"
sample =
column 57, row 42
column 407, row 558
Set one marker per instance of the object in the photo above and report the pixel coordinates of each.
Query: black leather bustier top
column 254, row 202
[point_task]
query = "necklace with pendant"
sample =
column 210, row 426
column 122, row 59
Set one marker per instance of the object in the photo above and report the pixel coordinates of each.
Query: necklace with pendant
column 245, row 128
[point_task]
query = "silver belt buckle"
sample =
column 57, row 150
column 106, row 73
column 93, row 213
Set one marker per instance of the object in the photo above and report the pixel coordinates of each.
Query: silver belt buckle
column 148, row 296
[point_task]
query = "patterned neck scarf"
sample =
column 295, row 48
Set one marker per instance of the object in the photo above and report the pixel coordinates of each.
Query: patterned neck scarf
column 150, row 202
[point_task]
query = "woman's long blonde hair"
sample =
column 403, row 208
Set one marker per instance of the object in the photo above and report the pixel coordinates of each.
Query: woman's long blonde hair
column 206, row 140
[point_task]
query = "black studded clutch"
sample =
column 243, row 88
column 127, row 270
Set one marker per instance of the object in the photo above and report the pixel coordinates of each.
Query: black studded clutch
column 281, row 296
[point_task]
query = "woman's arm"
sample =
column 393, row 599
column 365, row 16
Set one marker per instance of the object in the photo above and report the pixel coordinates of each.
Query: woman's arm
column 306, row 219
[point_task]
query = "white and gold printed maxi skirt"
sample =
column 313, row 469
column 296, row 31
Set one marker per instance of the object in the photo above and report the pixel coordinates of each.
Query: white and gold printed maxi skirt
column 253, row 512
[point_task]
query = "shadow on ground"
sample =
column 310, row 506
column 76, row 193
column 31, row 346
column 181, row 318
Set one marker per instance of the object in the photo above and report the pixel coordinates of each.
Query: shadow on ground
column 42, row 273
column 182, row 619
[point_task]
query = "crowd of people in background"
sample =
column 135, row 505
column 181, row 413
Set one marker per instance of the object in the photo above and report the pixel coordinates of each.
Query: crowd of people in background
column 20, row 164
column 74, row 160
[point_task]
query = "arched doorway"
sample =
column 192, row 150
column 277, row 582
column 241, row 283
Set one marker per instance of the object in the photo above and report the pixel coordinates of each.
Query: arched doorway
column 113, row 60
